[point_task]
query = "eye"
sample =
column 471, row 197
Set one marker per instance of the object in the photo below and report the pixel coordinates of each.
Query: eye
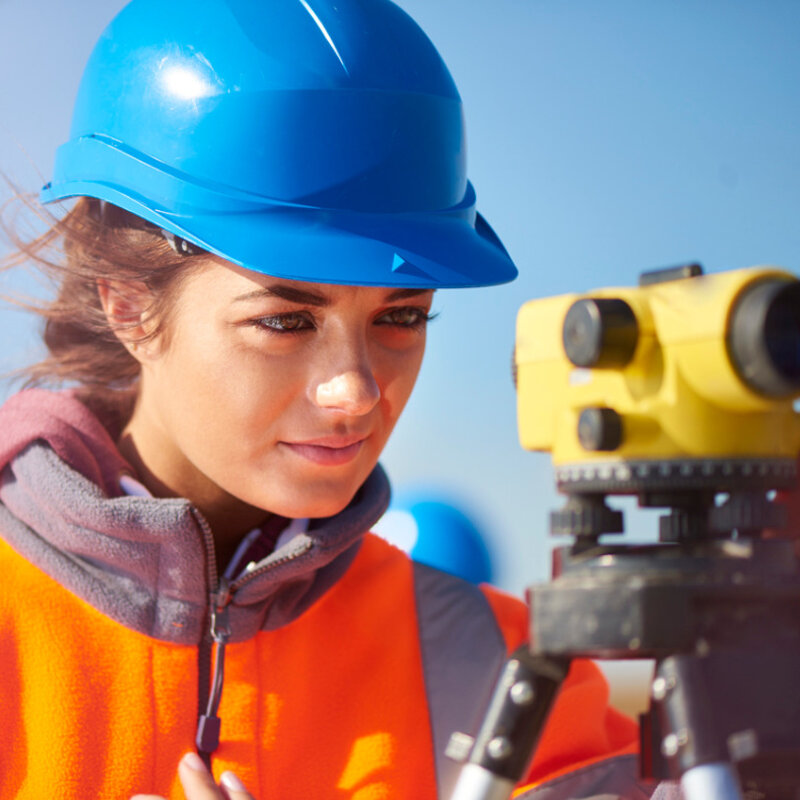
column 294, row 322
column 405, row 317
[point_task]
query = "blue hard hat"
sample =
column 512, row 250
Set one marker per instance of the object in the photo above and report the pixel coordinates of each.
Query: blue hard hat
column 316, row 140
column 437, row 531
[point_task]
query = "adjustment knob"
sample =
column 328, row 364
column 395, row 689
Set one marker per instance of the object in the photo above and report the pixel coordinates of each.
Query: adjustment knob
column 599, row 429
column 585, row 516
column 600, row 332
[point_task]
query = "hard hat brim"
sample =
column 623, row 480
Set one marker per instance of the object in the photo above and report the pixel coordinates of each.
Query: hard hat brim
column 353, row 249
column 435, row 249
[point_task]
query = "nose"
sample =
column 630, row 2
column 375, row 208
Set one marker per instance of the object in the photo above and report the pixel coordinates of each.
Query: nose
column 354, row 392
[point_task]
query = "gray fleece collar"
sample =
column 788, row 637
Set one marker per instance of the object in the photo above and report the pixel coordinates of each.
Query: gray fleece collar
column 146, row 562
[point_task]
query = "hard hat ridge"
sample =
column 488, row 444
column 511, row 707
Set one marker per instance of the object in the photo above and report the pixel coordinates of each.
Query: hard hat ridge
column 278, row 131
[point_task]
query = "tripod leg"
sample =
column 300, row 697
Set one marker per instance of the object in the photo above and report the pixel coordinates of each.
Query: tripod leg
column 500, row 755
column 692, row 742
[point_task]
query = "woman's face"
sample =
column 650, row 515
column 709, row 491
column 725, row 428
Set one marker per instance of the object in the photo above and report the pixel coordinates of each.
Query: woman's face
column 274, row 393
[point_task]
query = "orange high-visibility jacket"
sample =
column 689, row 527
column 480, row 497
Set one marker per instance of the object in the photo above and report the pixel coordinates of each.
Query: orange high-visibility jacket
column 348, row 666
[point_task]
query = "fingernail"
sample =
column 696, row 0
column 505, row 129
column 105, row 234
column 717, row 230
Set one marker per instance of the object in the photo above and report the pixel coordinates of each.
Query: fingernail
column 231, row 781
column 193, row 761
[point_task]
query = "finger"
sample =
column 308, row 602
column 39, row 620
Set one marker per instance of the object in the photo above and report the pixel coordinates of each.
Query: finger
column 147, row 797
column 233, row 787
column 198, row 783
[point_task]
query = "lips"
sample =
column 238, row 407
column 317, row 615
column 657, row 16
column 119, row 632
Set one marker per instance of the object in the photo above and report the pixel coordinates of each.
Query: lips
column 328, row 450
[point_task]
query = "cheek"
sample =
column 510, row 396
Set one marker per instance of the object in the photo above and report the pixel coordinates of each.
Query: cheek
column 398, row 377
column 227, row 398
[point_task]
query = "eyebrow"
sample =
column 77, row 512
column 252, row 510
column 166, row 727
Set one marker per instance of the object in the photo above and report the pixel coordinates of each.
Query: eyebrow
column 304, row 297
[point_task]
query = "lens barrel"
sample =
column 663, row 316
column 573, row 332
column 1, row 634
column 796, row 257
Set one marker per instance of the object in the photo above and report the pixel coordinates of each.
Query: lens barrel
column 764, row 337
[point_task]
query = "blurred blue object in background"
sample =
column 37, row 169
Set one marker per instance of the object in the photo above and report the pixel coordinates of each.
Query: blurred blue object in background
column 433, row 530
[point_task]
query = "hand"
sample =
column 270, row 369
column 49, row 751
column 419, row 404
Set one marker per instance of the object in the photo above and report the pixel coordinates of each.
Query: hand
column 198, row 783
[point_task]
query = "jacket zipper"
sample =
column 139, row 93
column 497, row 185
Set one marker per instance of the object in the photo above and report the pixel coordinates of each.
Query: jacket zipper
column 208, row 722
column 248, row 576
column 204, row 736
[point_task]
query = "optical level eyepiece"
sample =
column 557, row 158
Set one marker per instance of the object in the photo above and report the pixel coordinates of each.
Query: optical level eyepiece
column 600, row 332
column 763, row 337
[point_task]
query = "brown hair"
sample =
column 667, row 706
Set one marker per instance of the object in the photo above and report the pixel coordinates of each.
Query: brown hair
column 92, row 242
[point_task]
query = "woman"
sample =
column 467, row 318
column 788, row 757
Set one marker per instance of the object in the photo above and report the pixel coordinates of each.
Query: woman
column 269, row 195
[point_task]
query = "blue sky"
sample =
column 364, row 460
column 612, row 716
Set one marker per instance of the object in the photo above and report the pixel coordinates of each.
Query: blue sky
column 605, row 138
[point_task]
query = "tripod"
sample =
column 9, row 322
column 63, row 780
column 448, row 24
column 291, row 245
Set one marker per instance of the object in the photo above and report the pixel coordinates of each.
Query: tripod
column 717, row 605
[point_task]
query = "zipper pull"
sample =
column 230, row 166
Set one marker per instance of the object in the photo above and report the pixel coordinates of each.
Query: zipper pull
column 208, row 726
column 220, row 599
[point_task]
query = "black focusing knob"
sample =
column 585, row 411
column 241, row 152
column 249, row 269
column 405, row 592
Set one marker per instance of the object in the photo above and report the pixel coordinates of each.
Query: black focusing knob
column 599, row 429
column 600, row 332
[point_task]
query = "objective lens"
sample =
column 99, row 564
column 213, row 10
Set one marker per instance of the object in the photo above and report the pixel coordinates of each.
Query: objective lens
column 764, row 337
column 782, row 332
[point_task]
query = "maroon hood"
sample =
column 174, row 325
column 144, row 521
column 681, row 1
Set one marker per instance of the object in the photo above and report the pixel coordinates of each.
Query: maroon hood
column 70, row 429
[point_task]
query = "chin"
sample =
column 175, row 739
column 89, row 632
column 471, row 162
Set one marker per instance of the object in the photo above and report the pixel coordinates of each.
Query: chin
column 314, row 510
column 309, row 505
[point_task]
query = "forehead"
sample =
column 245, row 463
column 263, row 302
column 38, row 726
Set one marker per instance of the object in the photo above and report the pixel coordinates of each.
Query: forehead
column 230, row 283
